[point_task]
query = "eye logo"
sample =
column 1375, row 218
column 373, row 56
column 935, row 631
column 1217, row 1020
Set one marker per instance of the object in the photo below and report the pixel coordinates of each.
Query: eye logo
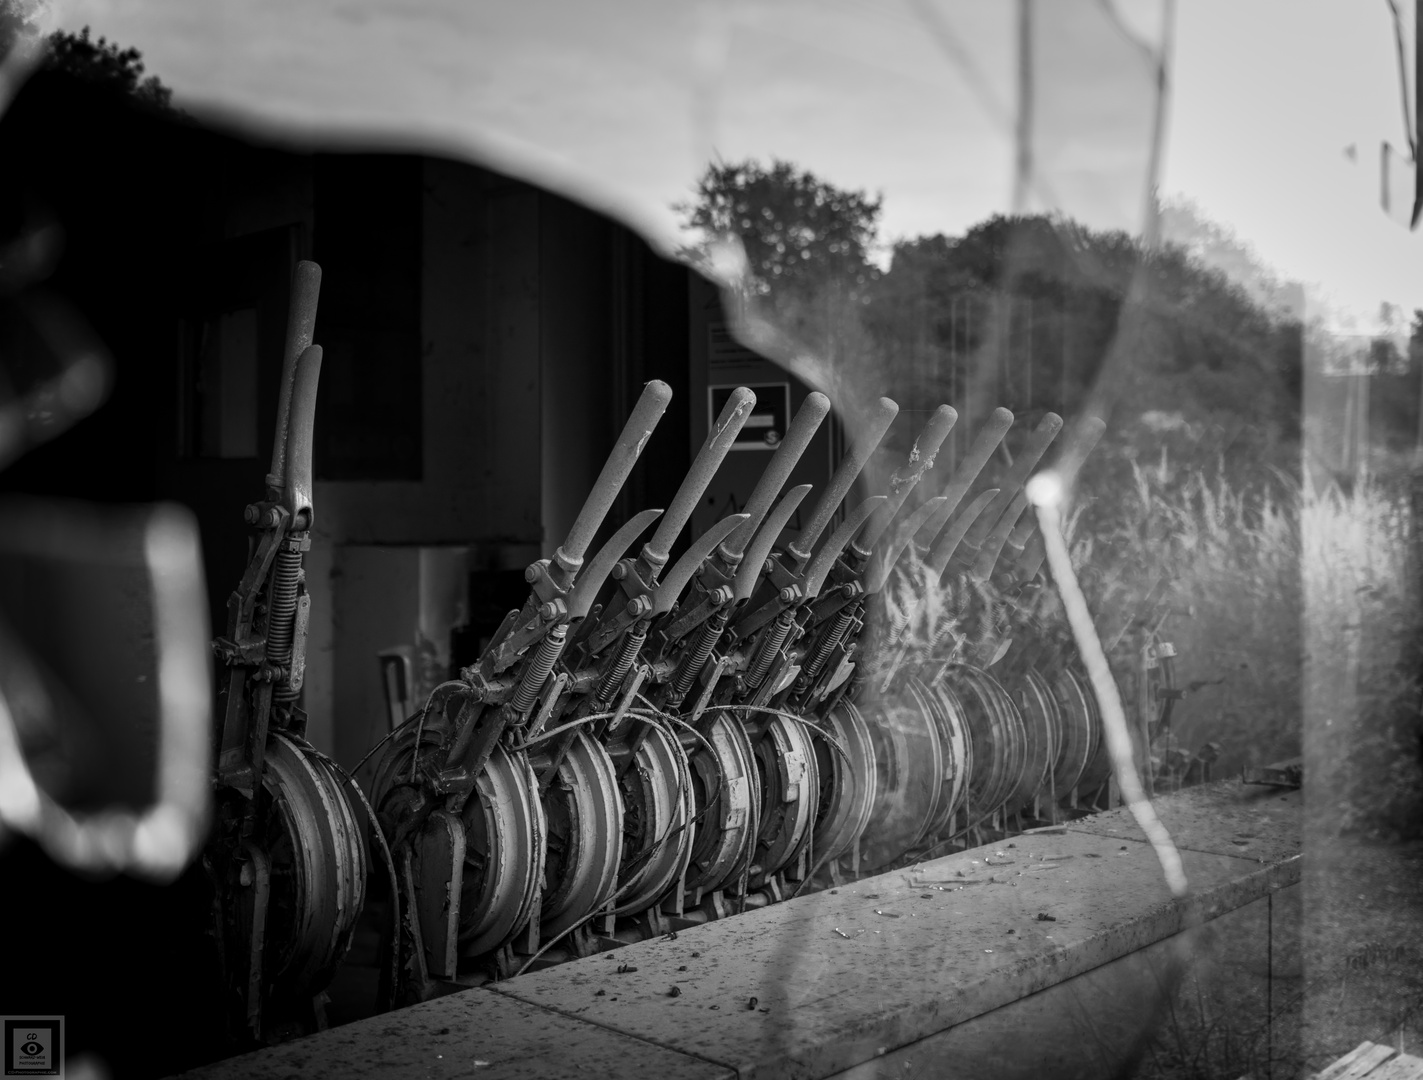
column 32, row 1045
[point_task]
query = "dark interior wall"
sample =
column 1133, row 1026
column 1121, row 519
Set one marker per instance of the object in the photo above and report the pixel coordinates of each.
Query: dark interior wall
column 368, row 242
column 457, row 303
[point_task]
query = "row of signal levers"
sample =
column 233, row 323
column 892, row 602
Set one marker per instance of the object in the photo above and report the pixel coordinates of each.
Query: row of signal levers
column 642, row 744
column 658, row 743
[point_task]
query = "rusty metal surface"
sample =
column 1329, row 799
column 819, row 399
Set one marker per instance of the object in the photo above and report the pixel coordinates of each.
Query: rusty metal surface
column 892, row 959
column 1224, row 818
column 471, row 1034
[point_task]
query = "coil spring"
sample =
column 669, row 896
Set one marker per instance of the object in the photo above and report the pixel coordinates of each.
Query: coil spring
column 697, row 659
column 780, row 630
column 545, row 656
column 632, row 645
column 828, row 644
column 281, row 616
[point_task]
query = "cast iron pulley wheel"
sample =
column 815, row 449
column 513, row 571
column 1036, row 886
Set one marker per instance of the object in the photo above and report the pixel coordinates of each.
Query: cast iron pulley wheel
column 947, row 713
column 503, row 825
column 847, row 787
column 504, row 853
column 584, row 815
column 724, row 785
column 657, row 814
column 1042, row 724
column 999, row 740
column 790, row 794
column 909, row 770
column 1075, row 693
column 316, row 853
column 1077, row 744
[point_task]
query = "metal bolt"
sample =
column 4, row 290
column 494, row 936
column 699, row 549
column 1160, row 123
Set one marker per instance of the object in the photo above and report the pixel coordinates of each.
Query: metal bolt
column 620, row 571
column 790, row 594
column 548, row 610
column 768, row 567
column 639, row 606
column 250, row 514
column 533, row 572
column 721, row 595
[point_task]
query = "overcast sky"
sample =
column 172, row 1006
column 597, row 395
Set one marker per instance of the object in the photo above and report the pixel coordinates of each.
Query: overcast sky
column 622, row 103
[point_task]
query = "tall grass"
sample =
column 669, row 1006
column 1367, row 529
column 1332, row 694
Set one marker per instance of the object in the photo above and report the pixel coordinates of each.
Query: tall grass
column 1291, row 610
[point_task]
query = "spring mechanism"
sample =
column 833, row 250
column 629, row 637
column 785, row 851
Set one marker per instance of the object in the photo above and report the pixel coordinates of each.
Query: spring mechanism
column 281, row 615
column 775, row 638
column 545, row 656
column 697, row 657
column 632, row 645
column 828, row 644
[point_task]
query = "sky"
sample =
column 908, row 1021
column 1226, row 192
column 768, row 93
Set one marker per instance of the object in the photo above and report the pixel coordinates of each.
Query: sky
column 622, row 104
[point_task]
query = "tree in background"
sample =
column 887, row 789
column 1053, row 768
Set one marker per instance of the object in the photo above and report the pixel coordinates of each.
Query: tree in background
column 105, row 63
column 102, row 63
column 799, row 232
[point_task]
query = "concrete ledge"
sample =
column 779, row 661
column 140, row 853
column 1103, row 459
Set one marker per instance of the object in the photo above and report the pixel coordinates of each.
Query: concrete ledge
column 839, row 977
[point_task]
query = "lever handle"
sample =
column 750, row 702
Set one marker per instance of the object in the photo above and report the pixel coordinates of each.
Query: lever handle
column 819, row 567
column 948, row 542
column 1018, row 540
column 778, row 470
column 645, row 414
column 904, row 532
column 723, row 433
column 592, row 576
column 1081, row 439
column 301, row 324
column 920, row 461
column 987, row 440
column 1013, row 481
column 690, row 562
column 881, row 415
column 987, row 555
column 301, row 432
column 755, row 557
column 1032, row 559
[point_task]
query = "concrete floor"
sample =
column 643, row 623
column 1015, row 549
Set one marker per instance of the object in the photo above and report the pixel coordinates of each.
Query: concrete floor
column 1055, row 954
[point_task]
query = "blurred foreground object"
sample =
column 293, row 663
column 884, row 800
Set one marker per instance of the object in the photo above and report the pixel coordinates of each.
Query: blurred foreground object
column 103, row 684
column 103, row 681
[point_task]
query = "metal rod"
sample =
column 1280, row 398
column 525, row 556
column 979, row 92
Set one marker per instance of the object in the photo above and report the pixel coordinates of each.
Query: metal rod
column 645, row 414
column 301, row 324
column 881, row 415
